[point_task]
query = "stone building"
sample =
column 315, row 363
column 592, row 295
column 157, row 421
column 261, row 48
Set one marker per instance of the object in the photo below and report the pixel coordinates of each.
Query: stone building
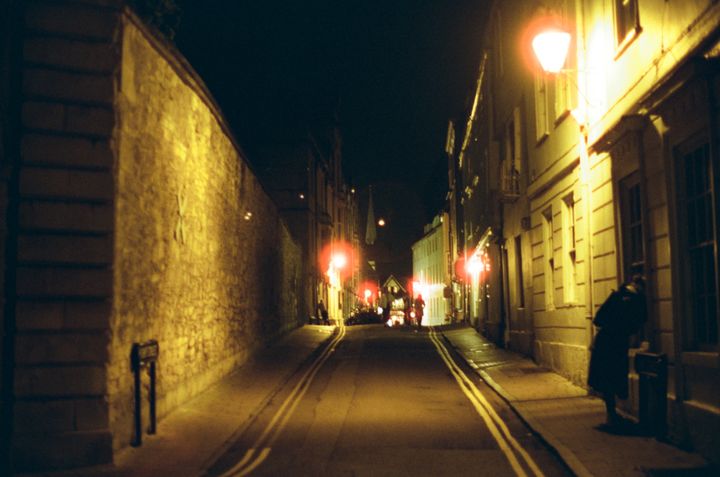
column 129, row 213
column 431, row 271
column 609, row 168
column 305, row 179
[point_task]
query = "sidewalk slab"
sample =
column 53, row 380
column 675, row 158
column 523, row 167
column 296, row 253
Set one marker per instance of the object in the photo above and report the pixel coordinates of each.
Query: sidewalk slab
column 193, row 435
column 566, row 417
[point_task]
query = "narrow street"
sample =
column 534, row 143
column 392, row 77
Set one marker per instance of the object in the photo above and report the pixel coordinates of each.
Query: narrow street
column 381, row 401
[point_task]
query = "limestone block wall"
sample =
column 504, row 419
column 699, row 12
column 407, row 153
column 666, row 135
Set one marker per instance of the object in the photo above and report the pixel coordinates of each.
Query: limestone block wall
column 64, row 286
column 202, row 260
column 138, row 218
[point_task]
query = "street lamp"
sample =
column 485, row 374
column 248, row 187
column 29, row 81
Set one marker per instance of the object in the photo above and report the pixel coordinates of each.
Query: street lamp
column 338, row 261
column 551, row 48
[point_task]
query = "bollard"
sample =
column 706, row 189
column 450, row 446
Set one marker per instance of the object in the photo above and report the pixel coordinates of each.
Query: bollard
column 652, row 380
column 144, row 355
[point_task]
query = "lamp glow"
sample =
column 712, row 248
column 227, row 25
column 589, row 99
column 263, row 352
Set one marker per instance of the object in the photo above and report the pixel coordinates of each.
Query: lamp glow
column 551, row 49
column 339, row 260
column 474, row 266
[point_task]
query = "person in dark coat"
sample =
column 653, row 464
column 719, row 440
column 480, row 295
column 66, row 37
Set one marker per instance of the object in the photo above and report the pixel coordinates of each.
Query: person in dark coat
column 619, row 317
column 323, row 313
column 419, row 309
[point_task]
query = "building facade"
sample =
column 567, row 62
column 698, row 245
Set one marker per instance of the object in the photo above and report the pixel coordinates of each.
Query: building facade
column 306, row 181
column 431, row 271
column 603, row 170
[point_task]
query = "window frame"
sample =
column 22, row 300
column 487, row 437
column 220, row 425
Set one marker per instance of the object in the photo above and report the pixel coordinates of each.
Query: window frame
column 569, row 243
column 548, row 258
column 519, row 279
column 688, row 287
column 542, row 107
column 626, row 15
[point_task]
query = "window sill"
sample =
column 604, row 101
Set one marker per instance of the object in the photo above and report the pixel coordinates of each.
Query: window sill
column 541, row 139
column 701, row 359
column 561, row 117
column 627, row 41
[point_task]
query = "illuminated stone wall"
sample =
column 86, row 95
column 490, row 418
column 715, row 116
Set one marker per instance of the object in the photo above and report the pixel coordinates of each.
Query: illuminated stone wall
column 138, row 218
column 203, row 263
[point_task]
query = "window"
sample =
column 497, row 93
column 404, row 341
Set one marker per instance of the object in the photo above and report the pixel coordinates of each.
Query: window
column 696, row 208
column 569, row 264
column 632, row 226
column 549, row 262
column 519, row 272
column 627, row 22
column 564, row 91
column 542, row 124
column 511, row 164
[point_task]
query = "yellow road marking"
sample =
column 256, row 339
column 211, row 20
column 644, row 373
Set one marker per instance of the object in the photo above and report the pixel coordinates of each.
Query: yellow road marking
column 496, row 425
column 251, row 460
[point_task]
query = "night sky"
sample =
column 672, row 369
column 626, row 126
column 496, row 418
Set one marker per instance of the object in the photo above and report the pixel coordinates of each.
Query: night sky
column 393, row 72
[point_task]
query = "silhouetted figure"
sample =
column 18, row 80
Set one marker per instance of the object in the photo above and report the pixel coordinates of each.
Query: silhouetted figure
column 323, row 313
column 419, row 309
column 622, row 315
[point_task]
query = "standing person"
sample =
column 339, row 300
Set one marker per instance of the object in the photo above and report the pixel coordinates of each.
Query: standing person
column 620, row 316
column 323, row 313
column 419, row 309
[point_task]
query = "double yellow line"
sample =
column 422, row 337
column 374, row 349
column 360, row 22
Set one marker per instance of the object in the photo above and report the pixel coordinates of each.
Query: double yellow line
column 257, row 454
column 499, row 430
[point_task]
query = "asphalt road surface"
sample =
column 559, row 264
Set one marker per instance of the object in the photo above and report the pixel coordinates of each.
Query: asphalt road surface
column 386, row 402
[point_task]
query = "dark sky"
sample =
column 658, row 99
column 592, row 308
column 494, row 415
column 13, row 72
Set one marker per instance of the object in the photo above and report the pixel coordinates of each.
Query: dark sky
column 392, row 71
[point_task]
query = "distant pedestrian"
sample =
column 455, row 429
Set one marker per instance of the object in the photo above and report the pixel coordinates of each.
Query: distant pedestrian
column 419, row 309
column 622, row 315
column 323, row 313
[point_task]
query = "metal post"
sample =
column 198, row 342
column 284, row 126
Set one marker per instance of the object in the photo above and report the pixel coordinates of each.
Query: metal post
column 137, row 441
column 153, row 425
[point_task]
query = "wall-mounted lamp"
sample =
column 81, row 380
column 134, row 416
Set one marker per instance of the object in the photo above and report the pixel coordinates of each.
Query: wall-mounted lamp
column 551, row 48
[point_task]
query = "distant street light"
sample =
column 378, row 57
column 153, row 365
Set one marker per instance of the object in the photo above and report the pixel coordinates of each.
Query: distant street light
column 381, row 222
column 338, row 261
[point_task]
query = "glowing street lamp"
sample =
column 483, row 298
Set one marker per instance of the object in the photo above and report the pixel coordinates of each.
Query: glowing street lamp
column 338, row 261
column 474, row 266
column 551, row 48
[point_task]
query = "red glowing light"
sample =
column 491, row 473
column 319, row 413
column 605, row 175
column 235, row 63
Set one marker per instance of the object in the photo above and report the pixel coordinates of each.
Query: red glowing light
column 337, row 258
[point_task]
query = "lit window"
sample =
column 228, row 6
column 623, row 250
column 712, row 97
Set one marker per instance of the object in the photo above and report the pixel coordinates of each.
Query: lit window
column 565, row 97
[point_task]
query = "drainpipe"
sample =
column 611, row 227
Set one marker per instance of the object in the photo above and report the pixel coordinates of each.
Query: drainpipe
column 504, row 328
column 586, row 180
column 587, row 189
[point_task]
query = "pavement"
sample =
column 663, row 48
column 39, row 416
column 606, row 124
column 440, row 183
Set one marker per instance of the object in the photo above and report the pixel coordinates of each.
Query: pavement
column 569, row 419
column 560, row 413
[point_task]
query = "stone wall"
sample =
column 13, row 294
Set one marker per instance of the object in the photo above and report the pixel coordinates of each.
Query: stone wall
column 64, row 233
column 202, row 261
column 138, row 219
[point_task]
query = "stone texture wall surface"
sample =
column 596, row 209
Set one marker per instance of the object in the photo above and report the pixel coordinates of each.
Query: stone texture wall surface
column 203, row 262
column 138, row 218
column 63, row 284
